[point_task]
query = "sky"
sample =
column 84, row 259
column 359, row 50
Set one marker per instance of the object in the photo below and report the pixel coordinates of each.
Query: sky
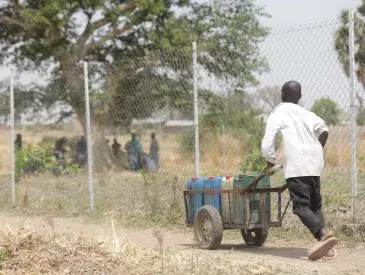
column 286, row 13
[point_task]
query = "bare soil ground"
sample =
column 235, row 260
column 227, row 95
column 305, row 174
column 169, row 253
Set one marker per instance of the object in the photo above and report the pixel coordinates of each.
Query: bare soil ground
column 273, row 258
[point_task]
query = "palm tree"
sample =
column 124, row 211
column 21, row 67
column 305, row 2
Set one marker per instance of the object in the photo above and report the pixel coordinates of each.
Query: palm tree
column 342, row 46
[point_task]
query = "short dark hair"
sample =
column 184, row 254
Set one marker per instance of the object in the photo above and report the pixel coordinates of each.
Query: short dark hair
column 291, row 92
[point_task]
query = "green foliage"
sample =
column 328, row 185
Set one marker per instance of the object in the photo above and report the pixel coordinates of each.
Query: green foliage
column 131, row 89
column 133, row 29
column 228, row 41
column 362, row 158
column 49, row 30
column 240, row 119
column 360, row 119
column 4, row 104
column 70, row 168
column 32, row 159
column 4, row 253
column 253, row 163
column 229, row 56
column 327, row 109
column 342, row 45
column 50, row 34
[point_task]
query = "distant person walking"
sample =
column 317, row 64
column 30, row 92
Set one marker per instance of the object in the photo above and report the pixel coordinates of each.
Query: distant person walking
column 116, row 147
column 60, row 151
column 154, row 150
column 18, row 142
column 134, row 150
column 80, row 155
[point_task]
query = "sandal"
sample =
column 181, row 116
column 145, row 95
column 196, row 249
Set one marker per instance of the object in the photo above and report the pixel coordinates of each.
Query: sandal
column 331, row 254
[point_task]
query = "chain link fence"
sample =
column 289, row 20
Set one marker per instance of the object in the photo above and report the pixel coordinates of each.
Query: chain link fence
column 5, row 146
column 155, row 121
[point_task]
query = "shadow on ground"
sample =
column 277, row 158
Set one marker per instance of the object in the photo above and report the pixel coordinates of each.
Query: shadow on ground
column 284, row 252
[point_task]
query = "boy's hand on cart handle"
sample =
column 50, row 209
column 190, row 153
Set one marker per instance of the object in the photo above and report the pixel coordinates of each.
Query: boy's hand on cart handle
column 268, row 166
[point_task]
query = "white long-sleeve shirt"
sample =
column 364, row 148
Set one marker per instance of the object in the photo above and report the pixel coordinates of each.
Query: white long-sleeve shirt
column 300, row 128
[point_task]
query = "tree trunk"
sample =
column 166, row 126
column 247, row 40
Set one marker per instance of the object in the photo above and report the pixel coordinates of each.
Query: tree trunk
column 26, row 190
column 103, row 156
column 102, row 153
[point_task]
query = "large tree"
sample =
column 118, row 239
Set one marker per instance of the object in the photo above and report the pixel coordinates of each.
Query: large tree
column 228, row 42
column 39, row 33
column 35, row 34
column 227, row 48
column 147, row 44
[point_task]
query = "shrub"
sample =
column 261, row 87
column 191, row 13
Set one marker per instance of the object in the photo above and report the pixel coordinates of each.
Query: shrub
column 34, row 159
column 360, row 119
column 327, row 109
column 253, row 163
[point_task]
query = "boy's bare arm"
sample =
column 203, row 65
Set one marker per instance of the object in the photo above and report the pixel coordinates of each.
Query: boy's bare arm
column 323, row 138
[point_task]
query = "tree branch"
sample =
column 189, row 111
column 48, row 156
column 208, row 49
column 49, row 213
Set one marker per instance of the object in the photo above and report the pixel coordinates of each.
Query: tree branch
column 16, row 5
column 96, row 25
column 126, row 7
column 14, row 22
column 80, row 49
column 105, row 38
column 63, row 116
column 90, row 28
column 70, row 13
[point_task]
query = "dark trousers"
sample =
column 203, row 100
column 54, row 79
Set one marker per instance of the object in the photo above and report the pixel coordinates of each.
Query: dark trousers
column 305, row 193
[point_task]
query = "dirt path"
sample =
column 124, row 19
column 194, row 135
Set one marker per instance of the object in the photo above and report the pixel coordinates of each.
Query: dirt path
column 280, row 258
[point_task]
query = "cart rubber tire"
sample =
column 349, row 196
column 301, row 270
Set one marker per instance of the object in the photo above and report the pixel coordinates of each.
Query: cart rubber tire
column 259, row 237
column 208, row 221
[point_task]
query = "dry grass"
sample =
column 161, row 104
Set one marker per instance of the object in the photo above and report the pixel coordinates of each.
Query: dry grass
column 131, row 198
column 155, row 200
column 144, row 200
column 219, row 154
column 27, row 251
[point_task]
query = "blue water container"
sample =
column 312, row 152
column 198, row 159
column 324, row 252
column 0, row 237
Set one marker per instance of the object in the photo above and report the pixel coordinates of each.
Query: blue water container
column 194, row 201
column 213, row 183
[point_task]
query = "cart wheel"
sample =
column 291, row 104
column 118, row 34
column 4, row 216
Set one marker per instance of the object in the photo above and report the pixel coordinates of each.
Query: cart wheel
column 208, row 228
column 255, row 237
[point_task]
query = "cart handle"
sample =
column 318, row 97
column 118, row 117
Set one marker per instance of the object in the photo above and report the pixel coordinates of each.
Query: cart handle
column 261, row 176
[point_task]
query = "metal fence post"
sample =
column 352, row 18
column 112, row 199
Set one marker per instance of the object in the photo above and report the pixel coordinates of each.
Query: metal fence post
column 12, row 138
column 88, row 134
column 196, row 111
column 353, row 127
column 223, row 149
